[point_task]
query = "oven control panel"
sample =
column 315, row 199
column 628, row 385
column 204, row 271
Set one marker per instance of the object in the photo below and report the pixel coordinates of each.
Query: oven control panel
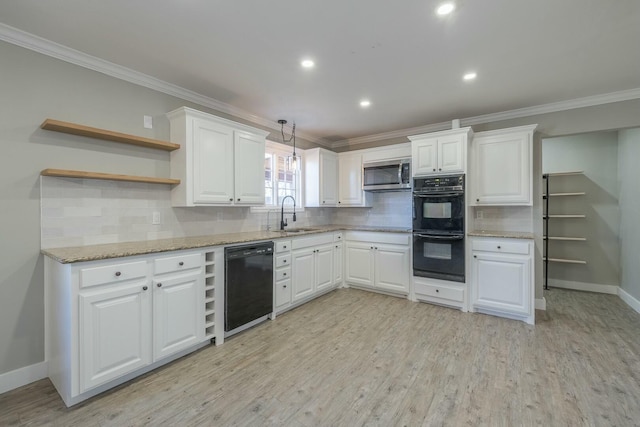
column 439, row 183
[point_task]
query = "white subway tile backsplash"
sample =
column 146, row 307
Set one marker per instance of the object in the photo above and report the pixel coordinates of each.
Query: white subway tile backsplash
column 85, row 212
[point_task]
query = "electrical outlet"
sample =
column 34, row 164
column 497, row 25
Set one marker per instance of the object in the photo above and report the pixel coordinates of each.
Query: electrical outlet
column 479, row 214
column 148, row 122
column 155, row 218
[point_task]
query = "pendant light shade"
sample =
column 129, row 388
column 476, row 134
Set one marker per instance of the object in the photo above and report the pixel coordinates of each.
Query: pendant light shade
column 293, row 161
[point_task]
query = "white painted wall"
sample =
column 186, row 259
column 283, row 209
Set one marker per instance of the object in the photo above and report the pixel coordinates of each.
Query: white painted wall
column 629, row 176
column 596, row 154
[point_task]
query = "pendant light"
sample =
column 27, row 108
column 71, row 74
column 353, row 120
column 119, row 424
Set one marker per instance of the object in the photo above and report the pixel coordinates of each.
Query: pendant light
column 293, row 161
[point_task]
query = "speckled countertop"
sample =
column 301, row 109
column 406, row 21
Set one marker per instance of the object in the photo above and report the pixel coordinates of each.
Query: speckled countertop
column 505, row 234
column 116, row 250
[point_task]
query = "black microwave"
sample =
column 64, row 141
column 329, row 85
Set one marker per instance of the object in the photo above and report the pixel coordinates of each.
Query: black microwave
column 387, row 175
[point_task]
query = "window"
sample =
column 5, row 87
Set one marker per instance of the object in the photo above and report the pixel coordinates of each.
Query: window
column 278, row 180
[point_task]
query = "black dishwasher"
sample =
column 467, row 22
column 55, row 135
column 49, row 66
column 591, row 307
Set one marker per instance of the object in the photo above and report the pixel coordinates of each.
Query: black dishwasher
column 248, row 286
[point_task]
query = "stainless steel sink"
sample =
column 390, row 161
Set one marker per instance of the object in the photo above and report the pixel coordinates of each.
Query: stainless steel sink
column 299, row 230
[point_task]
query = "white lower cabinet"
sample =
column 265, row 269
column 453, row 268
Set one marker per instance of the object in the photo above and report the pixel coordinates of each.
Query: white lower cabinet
column 378, row 260
column 282, row 291
column 177, row 316
column 338, row 260
column 312, row 265
column 108, row 321
column 306, row 267
column 502, row 278
column 115, row 332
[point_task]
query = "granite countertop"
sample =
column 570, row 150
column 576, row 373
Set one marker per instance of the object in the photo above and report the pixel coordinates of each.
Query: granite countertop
column 116, row 250
column 504, row 234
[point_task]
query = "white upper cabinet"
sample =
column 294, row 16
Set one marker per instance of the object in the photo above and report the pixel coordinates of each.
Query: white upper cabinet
column 219, row 162
column 249, row 175
column 502, row 164
column 321, row 177
column 350, row 180
column 440, row 152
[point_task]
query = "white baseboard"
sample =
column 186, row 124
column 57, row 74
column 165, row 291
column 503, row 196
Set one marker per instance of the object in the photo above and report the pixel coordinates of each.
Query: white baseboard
column 583, row 286
column 629, row 299
column 541, row 303
column 23, row 376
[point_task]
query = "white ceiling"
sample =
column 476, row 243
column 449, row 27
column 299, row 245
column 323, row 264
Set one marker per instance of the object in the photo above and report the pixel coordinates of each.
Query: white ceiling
column 399, row 54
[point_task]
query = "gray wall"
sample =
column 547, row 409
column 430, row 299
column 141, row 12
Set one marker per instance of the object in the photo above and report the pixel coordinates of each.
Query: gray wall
column 629, row 173
column 596, row 154
column 34, row 87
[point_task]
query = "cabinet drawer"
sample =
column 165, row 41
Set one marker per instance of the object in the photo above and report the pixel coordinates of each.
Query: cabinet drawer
column 176, row 263
column 283, row 260
column 283, row 246
column 438, row 291
column 112, row 273
column 283, row 273
column 503, row 246
column 338, row 237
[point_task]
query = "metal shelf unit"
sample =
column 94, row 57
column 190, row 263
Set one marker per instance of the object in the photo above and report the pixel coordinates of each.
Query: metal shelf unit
column 547, row 195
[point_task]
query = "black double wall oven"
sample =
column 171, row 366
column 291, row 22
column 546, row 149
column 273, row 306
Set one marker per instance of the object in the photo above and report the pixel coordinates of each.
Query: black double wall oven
column 438, row 227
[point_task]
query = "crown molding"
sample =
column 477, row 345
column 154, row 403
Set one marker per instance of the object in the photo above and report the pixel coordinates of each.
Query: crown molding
column 55, row 50
column 589, row 101
column 554, row 107
column 434, row 127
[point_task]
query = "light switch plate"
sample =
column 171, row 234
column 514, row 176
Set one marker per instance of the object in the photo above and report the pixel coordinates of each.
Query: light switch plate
column 155, row 220
column 148, row 122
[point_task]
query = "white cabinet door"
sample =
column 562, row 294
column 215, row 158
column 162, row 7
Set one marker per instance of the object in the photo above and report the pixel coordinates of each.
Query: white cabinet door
column 425, row 156
column 502, row 282
column 391, row 264
column 338, row 264
column 303, row 273
column 502, row 168
column 359, row 263
column 350, row 180
column 283, row 293
column 324, row 267
column 328, row 178
column 249, row 169
column 440, row 152
column 115, row 332
column 178, row 321
column 451, row 153
column 212, row 163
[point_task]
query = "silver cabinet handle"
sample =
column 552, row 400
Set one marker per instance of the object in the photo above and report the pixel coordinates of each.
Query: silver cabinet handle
column 144, row 288
column 118, row 274
column 181, row 263
column 159, row 285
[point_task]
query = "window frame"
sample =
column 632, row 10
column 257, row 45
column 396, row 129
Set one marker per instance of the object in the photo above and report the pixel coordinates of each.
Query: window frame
column 277, row 148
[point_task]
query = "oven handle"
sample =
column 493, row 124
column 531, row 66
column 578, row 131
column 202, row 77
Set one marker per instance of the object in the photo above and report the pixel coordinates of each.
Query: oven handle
column 431, row 236
column 431, row 195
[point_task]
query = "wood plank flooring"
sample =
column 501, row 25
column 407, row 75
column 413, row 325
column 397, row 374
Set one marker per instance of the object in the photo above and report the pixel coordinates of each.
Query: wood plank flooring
column 355, row 358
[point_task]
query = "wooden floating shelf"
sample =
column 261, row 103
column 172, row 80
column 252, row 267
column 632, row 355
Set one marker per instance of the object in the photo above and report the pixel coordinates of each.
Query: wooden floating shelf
column 565, row 216
column 107, row 176
column 562, row 173
column 566, row 261
column 107, row 135
column 577, row 239
column 565, row 194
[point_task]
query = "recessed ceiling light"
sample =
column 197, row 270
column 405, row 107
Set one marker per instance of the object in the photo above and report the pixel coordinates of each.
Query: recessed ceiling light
column 469, row 76
column 307, row 63
column 445, row 8
column 365, row 103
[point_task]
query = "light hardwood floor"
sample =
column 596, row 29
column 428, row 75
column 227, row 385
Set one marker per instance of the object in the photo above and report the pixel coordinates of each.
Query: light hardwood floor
column 356, row 358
